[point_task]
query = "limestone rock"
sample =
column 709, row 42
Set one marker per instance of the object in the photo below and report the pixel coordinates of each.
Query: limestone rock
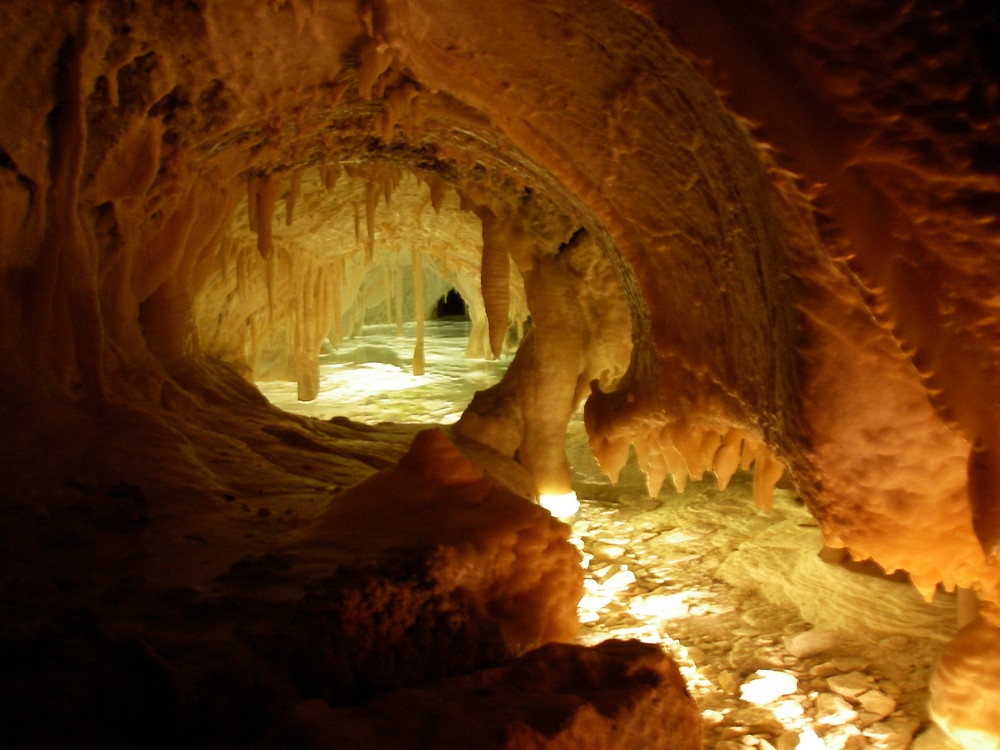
column 728, row 681
column 965, row 686
column 850, row 685
column 895, row 734
column 607, row 551
column 933, row 738
column 619, row 694
column 833, row 710
column 877, row 702
column 810, row 642
column 755, row 720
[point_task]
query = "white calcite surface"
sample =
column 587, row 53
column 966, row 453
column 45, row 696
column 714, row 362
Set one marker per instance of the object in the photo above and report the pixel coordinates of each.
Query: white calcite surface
column 369, row 377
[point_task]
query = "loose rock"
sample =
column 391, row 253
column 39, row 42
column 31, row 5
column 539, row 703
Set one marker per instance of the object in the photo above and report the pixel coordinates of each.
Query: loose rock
column 877, row 703
column 850, row 685
column 833, row 710
column 810, row 643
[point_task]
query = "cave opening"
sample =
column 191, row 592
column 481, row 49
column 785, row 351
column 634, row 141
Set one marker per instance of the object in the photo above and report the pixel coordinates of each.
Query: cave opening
column 451, row 305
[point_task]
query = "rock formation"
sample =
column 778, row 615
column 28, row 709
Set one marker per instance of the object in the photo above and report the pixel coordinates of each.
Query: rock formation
column 797, row 273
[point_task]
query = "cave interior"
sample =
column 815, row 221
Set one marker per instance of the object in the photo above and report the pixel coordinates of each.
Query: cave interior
column 693, row 242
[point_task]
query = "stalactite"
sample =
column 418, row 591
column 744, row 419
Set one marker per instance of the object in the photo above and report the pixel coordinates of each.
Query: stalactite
column 750, row 446
column 727, row 457
column 677, row 465
column 611, row 455
column 252, row 186
column 387, row 186
column 329, row 174
column 267, row 198
column 357, row 223
column 766, row 474
column 653, row 465
column 292, row 196
column 437, row 188
column 418, row 310
column 697, row 446
column 495, row 279
column 374, row 59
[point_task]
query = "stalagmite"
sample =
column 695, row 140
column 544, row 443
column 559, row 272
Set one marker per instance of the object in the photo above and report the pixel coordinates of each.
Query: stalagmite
column 336, row 287
column 387, row 288
column 252, row 195
column 304, row 344
column 418, row 310
column 371, row 200
column 397, row 286
column 965, row 684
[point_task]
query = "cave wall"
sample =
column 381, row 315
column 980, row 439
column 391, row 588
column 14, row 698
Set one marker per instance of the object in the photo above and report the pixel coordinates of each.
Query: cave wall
column 839, row 316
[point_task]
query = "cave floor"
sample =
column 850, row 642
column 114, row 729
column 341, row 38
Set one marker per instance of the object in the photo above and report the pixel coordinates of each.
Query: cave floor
column 780, row 649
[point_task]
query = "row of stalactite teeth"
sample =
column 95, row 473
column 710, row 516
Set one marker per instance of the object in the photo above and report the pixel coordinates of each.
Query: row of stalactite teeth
column 682, row 450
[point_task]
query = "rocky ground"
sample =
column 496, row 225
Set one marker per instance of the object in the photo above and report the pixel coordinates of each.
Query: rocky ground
column 780, row 649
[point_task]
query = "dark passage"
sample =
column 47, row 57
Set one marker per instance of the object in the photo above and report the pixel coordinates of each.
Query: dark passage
column 451, row 305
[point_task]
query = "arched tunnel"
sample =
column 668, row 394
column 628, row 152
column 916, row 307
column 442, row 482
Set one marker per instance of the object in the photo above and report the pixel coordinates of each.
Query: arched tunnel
column 760, row 233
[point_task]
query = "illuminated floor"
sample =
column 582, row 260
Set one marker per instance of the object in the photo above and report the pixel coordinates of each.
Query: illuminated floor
column 369, row 378
column 779, row 649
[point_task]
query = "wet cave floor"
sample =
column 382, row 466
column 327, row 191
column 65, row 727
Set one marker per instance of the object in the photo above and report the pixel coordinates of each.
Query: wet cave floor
column 779, row 648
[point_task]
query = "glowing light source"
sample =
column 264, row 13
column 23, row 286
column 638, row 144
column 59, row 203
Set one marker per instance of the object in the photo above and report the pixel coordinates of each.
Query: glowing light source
column 561, row 506
column 808, row 740
column 767, row 686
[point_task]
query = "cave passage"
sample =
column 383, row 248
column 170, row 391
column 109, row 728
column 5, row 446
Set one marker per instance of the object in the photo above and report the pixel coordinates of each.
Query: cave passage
column 759, row 235
column 451, row 305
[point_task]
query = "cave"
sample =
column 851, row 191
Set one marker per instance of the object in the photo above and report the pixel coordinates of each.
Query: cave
column 732, row 251
column 452, row 305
